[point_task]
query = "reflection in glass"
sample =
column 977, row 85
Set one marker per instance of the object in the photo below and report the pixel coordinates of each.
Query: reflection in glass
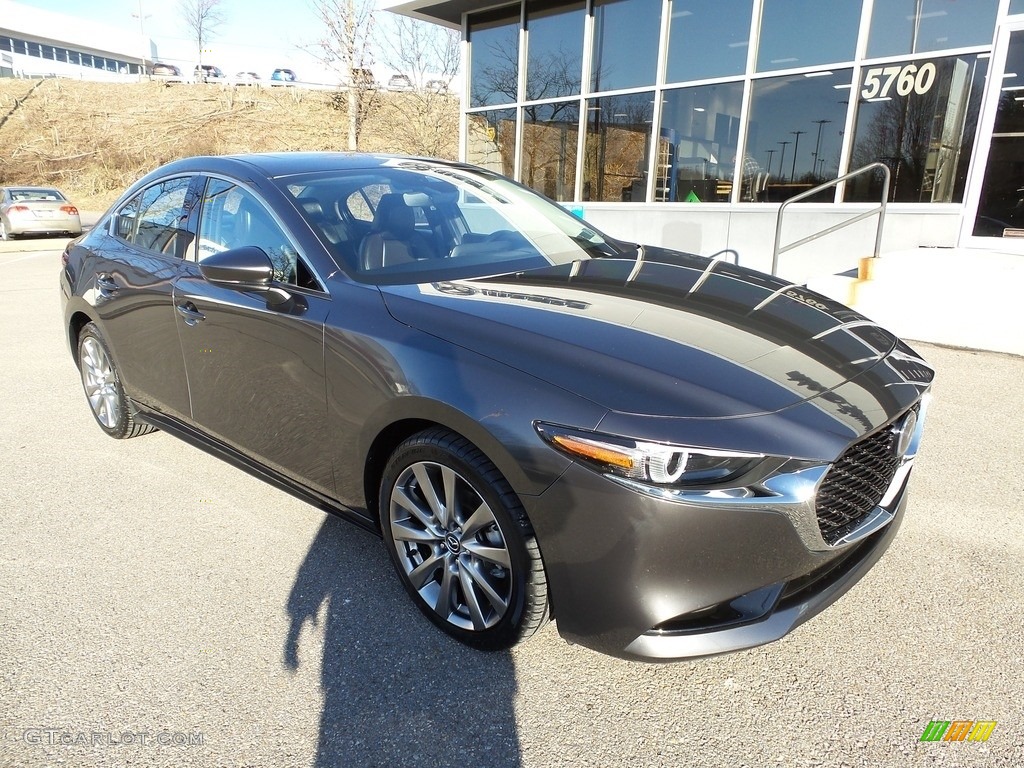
column 805, row 33
column 491, row 140
column 494, row 57
column 795, row 134
column 696, row 153
column 626, row 34
column 909, row 26
column 554, row 63
column 919, row 118
column 708, row 39
column 550, row 137
column 618, row 147
column 1001, row 206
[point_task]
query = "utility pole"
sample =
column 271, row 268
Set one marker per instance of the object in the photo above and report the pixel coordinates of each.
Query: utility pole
column 817, row 144
column 142, row 41
column 796, row 148
column 770, row 152
column 782, row 157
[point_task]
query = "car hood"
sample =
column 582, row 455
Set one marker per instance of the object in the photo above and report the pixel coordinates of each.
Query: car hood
column 667, row 334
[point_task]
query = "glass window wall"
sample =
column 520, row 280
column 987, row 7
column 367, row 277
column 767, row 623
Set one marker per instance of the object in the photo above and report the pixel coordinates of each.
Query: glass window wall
column 919, row 114
column 550, row 138
column 491, row 140
column 554, row 59
column 708, row 39
column 806, row 33
column 494, row 57
column 794, row 134
column 911, row 26
column 919, row 118
column 697, row 142
column 626, row 35
column 618, row 147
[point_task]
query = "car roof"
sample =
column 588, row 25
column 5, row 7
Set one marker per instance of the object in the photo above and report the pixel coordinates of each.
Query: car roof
column 277, row 164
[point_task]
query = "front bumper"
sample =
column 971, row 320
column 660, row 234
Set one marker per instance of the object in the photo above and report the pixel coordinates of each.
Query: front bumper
column 651, row 579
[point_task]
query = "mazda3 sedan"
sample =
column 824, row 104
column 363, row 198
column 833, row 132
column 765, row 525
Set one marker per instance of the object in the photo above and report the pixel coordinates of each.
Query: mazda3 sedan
column 671, row 456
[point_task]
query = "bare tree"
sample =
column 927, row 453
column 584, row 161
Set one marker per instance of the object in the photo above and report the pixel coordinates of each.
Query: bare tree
column 203, row 19
column 344, row 48
column 429, row 56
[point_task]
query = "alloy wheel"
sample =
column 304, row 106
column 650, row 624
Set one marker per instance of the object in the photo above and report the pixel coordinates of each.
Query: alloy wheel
column 100, row 382
column 450, row 546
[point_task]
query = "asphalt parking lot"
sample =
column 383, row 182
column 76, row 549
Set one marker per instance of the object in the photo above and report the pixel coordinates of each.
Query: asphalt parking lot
column 160, row 608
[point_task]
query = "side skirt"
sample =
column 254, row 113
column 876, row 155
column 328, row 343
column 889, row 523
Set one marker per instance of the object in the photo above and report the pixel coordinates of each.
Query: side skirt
column 236, row 458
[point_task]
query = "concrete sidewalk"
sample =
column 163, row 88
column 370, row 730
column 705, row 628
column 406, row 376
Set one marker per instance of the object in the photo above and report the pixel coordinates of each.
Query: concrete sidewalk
column 955, row 296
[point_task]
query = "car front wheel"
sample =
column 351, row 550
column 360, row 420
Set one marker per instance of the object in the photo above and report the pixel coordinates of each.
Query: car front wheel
column 112, row 409
column 461, row 543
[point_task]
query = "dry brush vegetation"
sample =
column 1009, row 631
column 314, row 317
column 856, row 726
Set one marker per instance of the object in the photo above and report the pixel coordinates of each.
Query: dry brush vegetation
column 94, row 139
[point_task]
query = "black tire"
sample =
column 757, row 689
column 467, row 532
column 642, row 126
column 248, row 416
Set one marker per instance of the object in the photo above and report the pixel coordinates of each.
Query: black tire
column 487, row 531
column 111, row 408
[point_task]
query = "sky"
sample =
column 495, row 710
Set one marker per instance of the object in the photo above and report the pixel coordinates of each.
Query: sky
column 257, row 35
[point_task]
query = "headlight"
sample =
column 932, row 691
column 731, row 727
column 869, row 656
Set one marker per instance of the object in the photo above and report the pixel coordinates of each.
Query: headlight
column 654, row 463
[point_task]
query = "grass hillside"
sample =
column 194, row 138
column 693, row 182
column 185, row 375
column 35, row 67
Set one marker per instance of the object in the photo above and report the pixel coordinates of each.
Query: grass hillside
column 92, row 140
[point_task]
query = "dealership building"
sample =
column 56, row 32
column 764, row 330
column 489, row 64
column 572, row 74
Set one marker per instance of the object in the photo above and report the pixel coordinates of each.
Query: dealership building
column 687, row 122
column 35, row 42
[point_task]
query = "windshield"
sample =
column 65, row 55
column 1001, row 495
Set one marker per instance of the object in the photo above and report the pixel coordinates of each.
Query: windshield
column 412, row 221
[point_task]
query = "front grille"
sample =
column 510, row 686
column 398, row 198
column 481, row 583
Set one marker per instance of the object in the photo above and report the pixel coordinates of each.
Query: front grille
column 856, row 483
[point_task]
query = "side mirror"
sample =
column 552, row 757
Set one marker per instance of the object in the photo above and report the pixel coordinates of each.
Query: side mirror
column 247, row 268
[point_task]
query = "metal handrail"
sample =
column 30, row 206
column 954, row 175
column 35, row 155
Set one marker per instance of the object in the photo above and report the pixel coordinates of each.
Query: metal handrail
column 880, row 210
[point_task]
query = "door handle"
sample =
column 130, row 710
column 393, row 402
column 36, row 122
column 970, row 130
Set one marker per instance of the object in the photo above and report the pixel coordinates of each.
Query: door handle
column 106, row 284
column 189, row 311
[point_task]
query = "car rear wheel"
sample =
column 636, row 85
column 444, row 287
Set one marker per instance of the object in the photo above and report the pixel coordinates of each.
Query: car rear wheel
column 110, row 406
column 461, row 543
column 4, row 234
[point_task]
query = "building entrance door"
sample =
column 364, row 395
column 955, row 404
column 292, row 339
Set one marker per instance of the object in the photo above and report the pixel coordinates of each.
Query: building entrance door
column 995, row 216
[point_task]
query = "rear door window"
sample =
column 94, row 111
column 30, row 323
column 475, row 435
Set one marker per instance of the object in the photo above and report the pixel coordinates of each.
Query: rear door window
column 157, row 218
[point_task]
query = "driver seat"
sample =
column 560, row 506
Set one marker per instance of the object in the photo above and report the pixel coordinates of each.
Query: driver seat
column 393, row 238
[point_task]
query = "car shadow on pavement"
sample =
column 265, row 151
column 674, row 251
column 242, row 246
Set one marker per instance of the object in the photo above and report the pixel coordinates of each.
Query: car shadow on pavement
column 396, row 690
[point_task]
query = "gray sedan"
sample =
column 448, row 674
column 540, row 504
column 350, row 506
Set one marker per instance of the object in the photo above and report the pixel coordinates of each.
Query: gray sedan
column 670, row 456
column 37, row 211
